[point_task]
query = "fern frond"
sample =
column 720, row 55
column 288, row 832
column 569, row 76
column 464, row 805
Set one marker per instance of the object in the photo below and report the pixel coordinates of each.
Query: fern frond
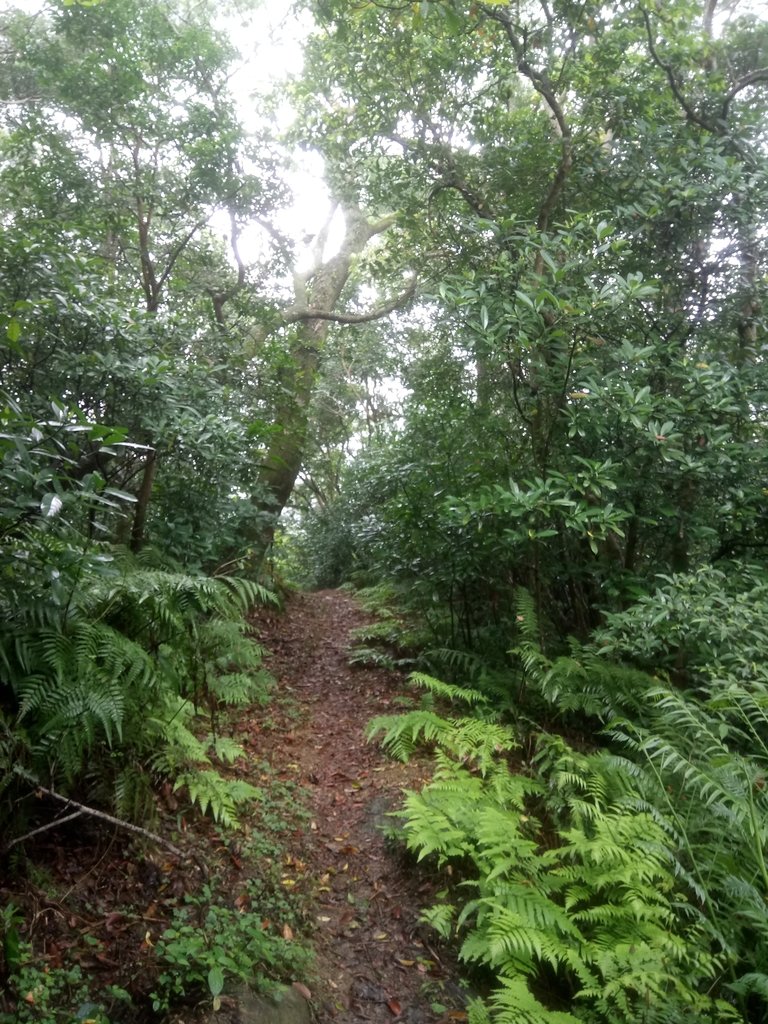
column 514, row 1003
column 224, row 748
column 221, row 796
column 372, row 657
column 447, row 691
column 440, row 917
column 402, row 733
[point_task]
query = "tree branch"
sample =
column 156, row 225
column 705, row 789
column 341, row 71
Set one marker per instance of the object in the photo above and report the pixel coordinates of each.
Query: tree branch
column 442, row 160
column 752, row 78
column 177, row 250
column 101, row 815
column 674, row 85
column 219, row 299
column 708, row 17
column 43, row 828
column 298, row 315
column 282, row 242
column 541, row 83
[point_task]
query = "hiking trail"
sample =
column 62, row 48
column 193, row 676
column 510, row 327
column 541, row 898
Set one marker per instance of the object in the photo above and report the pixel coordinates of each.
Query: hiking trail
column 375, row 961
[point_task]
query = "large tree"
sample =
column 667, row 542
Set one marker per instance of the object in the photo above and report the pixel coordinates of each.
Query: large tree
column 584, row 184
column 214, row 361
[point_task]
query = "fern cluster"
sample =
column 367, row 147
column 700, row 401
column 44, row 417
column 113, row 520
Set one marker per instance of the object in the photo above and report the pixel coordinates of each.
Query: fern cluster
column 626, row 883
column 103, row 696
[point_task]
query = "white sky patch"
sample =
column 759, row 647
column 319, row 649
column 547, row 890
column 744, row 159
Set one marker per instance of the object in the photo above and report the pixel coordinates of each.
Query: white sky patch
column 270, row 42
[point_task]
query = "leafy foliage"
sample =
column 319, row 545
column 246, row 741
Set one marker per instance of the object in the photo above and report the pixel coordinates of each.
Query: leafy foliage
column 105, row 660
column 209, row 943
column 576, row 894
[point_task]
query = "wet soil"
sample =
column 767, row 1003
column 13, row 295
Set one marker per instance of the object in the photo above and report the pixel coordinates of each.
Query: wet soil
column 375, row 961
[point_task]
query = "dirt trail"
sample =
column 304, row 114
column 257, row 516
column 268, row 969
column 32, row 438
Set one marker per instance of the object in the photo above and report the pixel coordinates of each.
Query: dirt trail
column 375, row 962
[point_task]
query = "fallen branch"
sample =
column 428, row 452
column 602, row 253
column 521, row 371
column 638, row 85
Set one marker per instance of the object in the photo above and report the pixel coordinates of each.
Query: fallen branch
column 43, row 828
column 93, row 813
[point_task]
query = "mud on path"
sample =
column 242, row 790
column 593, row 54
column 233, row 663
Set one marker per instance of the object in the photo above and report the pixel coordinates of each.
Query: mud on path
column 375, row 962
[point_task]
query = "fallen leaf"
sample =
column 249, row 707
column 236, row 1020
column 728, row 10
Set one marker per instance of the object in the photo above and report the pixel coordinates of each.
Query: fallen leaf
column 302, row 990
column 406, row 963
column 394, row 1007
column 380, row 936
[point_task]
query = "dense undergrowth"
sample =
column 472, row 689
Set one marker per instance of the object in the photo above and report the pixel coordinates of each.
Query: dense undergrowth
column 601, row 810
column 119, row 674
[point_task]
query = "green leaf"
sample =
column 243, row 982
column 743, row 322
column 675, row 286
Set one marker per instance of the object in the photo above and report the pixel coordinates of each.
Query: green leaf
column 215, row 981
column 51, row 505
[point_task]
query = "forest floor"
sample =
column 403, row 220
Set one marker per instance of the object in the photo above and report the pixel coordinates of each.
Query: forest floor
column 374, row 961
column 96, row 902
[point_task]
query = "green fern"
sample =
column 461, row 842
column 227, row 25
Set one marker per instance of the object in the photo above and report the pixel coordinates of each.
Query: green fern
column 224, row 748
column 605, row 893
column 402, row 734
column 384, row 631
column 513, row 1003
column 372, row 658
column 210, row 791
column 477, row 1012
column 447, row 691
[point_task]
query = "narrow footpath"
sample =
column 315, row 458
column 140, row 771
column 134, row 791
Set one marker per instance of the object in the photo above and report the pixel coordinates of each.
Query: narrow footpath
column 375, row 961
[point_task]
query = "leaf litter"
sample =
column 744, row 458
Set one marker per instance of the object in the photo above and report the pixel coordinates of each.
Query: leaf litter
column 375, row 961
column 94, row 901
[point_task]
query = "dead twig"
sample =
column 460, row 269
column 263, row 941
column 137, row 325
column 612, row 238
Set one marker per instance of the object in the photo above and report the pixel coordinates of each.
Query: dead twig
column 43, row 828
column 100, row 815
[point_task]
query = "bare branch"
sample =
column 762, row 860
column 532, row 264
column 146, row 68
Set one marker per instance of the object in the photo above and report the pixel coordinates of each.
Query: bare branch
column 177, row 250
column 43, row 828
column 101, row 815
column 282, row 242
column 219, row 299
column 234, row 244
column 442, row 161
column 296, row 316
column 543, row 86
column 708, row 17
column 377, row 227
column 752, row 78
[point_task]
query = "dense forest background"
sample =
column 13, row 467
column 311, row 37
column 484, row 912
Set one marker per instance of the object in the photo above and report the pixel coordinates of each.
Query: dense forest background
column 514, row 378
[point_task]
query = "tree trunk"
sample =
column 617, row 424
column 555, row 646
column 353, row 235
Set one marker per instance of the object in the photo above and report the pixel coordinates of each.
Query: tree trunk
column 142, row 502
column 317, row 294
